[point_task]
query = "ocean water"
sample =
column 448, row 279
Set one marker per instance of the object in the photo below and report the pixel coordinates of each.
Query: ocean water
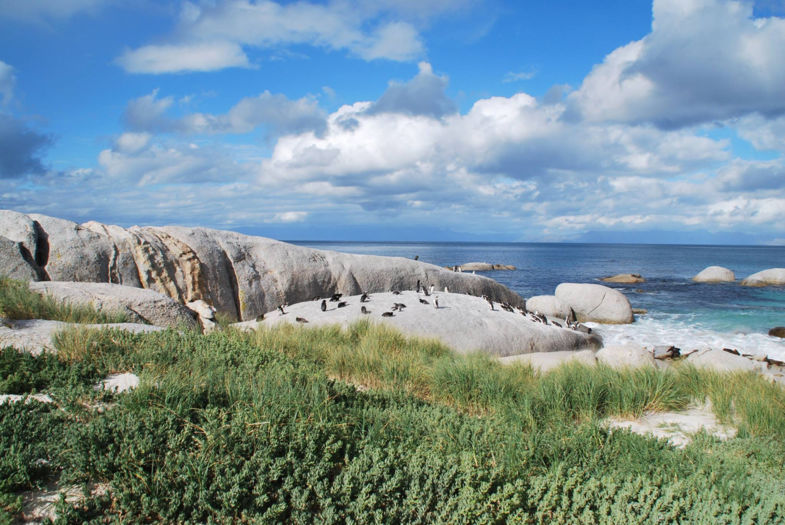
column 680, row 312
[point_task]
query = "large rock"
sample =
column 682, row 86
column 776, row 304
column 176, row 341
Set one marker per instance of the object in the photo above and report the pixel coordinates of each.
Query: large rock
column 550, row 306
column 547, row 361
column 770, row 277
column 15, row 262
column 777, row 331
column 595, row 303
column 625, row 356
column 624, row 278
column 240, row 275
column 722, row 361
column 140, row 305
column 715, row 274
column 462, row 322
column 36, row 336
column 483, row 267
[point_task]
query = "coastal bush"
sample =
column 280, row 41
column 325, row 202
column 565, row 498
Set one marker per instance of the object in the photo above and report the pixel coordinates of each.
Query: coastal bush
column 276, row 426
column 18, row 302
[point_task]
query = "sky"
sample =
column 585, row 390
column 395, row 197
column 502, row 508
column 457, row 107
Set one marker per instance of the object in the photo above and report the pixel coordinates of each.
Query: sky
column 407, row 120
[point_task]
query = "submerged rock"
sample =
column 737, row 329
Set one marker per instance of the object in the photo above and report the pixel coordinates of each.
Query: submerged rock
column 595, row 303
column 715, row 274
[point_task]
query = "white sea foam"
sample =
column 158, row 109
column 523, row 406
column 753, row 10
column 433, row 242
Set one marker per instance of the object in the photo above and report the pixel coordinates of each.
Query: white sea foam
column 650, row 332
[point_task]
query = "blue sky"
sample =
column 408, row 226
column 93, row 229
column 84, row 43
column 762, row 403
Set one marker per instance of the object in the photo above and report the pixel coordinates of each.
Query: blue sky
column 625, row 121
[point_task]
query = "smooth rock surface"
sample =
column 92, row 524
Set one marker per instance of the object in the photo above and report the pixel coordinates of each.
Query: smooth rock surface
column 462, row 322
column 595, row 303
column 624, row 278
column 139, row 304
column 721, row 361
column 625, row 356
column 551, row 306
column 770, row 277
column 715, row 274
column 240, row 275
column 547, row 361
column 35, row 335
column 484, row 267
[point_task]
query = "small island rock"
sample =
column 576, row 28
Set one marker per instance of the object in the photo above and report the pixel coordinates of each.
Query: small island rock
column 770, row 277
column 596, row 303
column 624, row 278
column 715, row 274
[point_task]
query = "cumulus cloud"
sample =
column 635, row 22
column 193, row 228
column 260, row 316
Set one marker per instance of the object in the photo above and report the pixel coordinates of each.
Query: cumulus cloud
column 134, row 159
column 422, row 95
column 20, row 148
column 704, row 60
column 212, row 36
column 279, row 114
column 7, row 83
column 198, row 56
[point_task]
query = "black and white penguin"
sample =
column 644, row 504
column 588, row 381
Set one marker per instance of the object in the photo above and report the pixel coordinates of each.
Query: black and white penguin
column 423, row 301
column 301, row 320
column 342, row 304
column 324, row 305
column 280, row 309
column 364, row 310
column 336, row 297
column 436, row 302
column 364, row 297
column 387, row 314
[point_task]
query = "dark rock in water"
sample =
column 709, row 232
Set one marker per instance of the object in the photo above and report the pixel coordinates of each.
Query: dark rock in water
column 666, row 352
column 640, row 311
column 777, row 331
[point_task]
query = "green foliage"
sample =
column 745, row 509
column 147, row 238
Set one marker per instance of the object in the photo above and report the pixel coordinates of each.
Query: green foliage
column 18, row 302
column 257, row 427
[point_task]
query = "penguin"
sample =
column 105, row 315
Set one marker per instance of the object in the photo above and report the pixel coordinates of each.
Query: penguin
column 432, row 288
column 336, row 297
column 418, row 286
column 436, row 302
column 416, row 257
column 396, row 292
column 387, row 314
column 364, row 297
column 324, row 305
column 423, row 301
column 400, row 306
column 489, row 301
column 301, row 320
column 364, row 310
column 280, row 308
column 342, row 304
column 446, row 290
column 426, row 292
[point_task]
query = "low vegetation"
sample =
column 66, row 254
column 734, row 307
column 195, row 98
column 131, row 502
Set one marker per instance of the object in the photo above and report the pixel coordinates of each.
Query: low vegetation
column 323, row 425
column 18, row 302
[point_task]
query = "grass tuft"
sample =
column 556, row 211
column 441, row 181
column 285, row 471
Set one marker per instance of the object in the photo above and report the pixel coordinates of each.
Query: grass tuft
column 18, row 302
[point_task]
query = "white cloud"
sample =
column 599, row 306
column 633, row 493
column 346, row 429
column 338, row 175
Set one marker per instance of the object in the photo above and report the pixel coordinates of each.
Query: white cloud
column 7, row 83
column 281, row 115
column 199, row 56
column 211, row 36
column 289, row 216
column 422, row 95
column 512, row 76
column 761, row 132
column 704, row 60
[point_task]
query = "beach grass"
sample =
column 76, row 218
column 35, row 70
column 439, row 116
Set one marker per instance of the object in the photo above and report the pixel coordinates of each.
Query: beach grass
column 17, row 302
column 304, row 425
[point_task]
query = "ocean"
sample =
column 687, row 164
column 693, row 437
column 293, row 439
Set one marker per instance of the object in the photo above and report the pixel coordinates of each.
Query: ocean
column 680, row 312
